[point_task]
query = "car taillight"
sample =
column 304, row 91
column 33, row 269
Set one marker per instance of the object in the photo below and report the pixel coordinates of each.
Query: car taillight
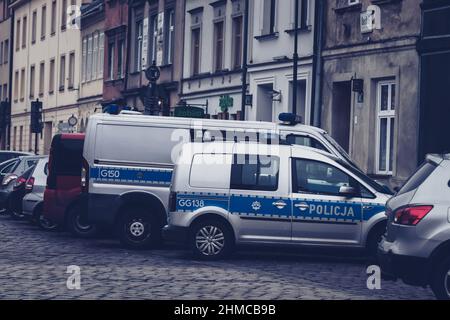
column 172, row 202
column 8, row 179
column 411, row 216
column 85, row 177
column 30, row 183
column 19, row 182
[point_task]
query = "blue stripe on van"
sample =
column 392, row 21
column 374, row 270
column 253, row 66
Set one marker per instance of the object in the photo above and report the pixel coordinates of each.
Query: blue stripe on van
column 122, row 175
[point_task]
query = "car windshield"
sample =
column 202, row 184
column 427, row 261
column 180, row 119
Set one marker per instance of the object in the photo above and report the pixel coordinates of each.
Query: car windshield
column 339, row 149
column 375, row 185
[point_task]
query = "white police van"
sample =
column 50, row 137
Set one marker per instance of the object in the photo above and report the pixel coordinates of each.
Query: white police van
column 128, row 163
column 224, row 194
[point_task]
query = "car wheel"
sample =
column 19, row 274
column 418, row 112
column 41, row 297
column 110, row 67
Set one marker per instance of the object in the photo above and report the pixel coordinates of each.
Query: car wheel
column 139, row 229
column 375, row 236
column 440, row 282
column 76, row 222
column 211, row 240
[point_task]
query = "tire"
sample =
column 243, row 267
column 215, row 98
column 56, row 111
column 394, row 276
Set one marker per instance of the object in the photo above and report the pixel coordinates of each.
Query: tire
column 440, row 282
column 139, row 229
column 76, row 222
column 42, row 222
column 374, row 239
column 220, row 244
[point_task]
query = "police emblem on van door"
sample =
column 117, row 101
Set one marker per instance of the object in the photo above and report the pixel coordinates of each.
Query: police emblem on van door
column 256, row 205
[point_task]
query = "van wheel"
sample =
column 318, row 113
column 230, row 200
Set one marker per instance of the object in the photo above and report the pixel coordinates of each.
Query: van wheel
column 440, row 282
column 211, row 240
column 374, row 238
column 42, row 222
column 138, row 229
column 76, row 222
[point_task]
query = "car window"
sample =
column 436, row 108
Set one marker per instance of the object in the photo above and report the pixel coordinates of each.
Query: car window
column 422, row 173
column 294, row 139
column 9, row 167
column 319, row 178
column 31, row 163
column 255, row 172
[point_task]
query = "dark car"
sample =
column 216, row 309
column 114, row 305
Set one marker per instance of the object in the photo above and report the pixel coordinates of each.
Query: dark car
column 20, row 189
column 17, row 169
column 63, row 200
column 7, row 155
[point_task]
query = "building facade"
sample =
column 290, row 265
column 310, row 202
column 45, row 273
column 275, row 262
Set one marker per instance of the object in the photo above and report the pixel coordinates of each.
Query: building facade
column 92, row 61
column 46, row 66
column 5, row 74
column 370, row 84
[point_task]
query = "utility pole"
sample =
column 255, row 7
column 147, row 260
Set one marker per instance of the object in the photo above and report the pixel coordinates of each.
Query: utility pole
column 295, row 73
column 244, row 60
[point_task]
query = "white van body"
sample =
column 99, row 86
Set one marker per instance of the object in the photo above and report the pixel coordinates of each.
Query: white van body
column 130, row 158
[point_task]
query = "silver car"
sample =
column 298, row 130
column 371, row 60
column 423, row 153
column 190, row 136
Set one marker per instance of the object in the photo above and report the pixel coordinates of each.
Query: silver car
column 416, row 247
column 33, row 201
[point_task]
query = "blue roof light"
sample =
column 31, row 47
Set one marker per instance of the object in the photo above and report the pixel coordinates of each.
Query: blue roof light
column 290, row 118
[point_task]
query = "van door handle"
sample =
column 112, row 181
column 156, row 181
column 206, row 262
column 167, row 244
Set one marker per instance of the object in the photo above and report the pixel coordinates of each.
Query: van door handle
column 302, row 206
column 279, row 204
column 367, row 207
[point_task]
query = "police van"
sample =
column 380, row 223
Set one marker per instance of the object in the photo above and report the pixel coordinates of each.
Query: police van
column 128, row 163
column 225, row 194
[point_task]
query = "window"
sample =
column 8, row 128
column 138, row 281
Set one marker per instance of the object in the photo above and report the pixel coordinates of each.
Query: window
column 1, row 52
column 170, row 36
column 64, row 15
column 138, row 45
column 24, row 32
column 15, row 138
column 101, row 52
column 269, row 17
column 32, row 81
column 20, row 137
column 62, row 72
column 120, row 55
column 237, row 42
column 94, row 56
column 252, row 172
column 154, row 39
column 385, row 126
column 51, row 82
column 218, row 45
column 84, row 59
column 71, row 70
column 5, row 91
column 53, row 24
column 89, row 59
column 316, row 177
column 16, row 86
column 6, row 52
column 33, row 26
column 416, row 180
column 41, row 78
column 43, row 21
column 302, row 14
column 18, row 35
column 195, row 51
column 111, row 61
column 68, row 158
column 293, row 139
column 204, row 168
column 22, row 84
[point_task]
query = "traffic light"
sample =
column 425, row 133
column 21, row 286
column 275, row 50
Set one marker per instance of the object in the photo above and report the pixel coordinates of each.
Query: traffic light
column 36, row 116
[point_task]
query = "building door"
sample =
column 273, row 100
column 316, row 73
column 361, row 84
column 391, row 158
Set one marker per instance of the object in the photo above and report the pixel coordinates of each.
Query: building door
column 47, row 136
column 301, row 100
column 265, row 103
column 341, row 110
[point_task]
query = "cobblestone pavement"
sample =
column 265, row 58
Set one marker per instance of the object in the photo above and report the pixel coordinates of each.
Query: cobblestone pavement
column 33, row 265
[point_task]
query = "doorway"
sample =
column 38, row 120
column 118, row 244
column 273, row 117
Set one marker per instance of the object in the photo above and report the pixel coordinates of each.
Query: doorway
column 264, row 103
column 48, row 135
column 301, row 99
column 341, row 112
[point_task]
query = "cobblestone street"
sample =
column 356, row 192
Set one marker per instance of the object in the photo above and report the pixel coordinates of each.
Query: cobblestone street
column 33, row 265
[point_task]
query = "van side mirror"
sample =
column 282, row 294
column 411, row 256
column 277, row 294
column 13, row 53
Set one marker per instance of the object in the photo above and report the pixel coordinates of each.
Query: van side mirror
column 348, row 192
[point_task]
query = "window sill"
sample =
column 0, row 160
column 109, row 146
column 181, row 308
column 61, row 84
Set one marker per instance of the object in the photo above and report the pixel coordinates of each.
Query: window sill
column 51, row 92
column 42, row 38
column 269, row 36
column 165, row 66
column 61, row 89
column 352, row 7
column 381, row 2
column 41, row 95
column 301, row 29
column 52, row 34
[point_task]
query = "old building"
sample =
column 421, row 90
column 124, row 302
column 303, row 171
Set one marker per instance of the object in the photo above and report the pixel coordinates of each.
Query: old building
column 434, row 49
column 46, row 66
column 156, row 36
column 92, row 61
column 370, row 83
column 5, row 74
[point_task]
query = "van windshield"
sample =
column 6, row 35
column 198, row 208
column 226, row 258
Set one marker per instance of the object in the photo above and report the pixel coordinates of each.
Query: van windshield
column 375, row 185
column 338, row 147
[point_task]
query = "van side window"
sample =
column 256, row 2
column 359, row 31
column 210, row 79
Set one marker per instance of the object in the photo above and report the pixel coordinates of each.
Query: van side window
column 252, row 172
column 293, row 139
column 316, row 177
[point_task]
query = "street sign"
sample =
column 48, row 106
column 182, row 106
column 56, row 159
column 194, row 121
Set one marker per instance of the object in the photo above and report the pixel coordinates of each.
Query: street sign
column 152, row 73
column 72, row 121
column 189, row 112
column 64, row 127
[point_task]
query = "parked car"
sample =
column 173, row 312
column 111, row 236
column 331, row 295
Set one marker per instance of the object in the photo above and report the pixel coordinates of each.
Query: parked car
column 223, row 195
column 416, row 247
column 20, row 188
column 63, row 201
column 7, row 155
column 128, row 163
column 17, row 169
column 33, row 201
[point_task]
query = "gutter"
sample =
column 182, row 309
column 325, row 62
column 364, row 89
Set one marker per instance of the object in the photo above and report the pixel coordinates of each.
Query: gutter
column 316, row 111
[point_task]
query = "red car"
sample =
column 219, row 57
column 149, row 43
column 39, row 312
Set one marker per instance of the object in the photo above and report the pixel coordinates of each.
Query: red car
column 64, row 203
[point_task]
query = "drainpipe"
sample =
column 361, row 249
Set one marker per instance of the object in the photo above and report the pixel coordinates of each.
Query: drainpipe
column 319, row 22
column 10, row 61
column 244, row 60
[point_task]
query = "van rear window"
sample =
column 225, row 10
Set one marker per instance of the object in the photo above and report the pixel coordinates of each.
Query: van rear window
column 67, row 157
column 418, row 178
column 252, row 172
